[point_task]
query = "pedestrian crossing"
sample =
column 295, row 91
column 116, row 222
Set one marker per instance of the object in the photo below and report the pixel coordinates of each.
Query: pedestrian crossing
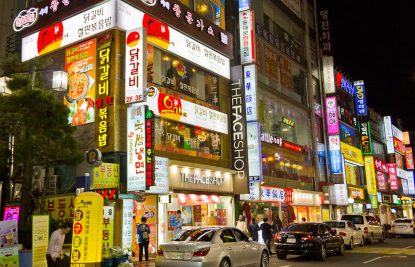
column 385, row 251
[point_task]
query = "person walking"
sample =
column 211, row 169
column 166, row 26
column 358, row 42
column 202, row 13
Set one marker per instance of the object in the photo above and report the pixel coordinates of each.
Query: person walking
column 143, row 233
column 253, row 230
column 267, row 234
column 179, row 223
column 277, row 224
column 54, row 254
column 241, row 224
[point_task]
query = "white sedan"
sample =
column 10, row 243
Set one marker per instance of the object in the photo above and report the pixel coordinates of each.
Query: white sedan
column 351, row 234
column 403, row 227
column 212, row 247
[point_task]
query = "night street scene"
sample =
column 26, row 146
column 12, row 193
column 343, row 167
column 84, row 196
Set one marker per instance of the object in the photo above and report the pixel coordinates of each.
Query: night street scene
column 207, row 133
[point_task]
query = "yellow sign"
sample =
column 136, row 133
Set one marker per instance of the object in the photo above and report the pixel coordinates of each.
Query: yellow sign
column 370, row 175
column 356, row 193
column 40, row 239
column 108, row 227
column 106, row 176
column 351, row 153
column 87, row 229
column 60, row 208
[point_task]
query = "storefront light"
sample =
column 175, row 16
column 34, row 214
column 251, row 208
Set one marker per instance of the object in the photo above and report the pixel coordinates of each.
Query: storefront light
column 281, row 163
column 270, row 158
column 218, row 174
column 165, row 58
column 197, row 171
column 208, row 172
column 186, row 170
column 182, row 198
column 193, row 197
column 59, row 81
column 174, row 169
column 300, row 167
column 174, row 63
column 288, row 165
column 350, row 200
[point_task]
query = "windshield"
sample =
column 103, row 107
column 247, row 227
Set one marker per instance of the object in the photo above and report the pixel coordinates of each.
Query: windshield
column 303, row 227
column 403, row 221
column 196, row 235
column 336, row 224
column 356, row 219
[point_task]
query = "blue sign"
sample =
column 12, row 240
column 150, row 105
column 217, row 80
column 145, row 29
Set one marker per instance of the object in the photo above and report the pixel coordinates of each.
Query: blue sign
column 347, row 86
column 336, row 161
column 360, row 97
column 243, row 5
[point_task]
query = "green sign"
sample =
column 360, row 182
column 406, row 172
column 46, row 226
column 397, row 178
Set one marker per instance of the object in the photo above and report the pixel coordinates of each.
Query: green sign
column 287, row 121
column 374, row 201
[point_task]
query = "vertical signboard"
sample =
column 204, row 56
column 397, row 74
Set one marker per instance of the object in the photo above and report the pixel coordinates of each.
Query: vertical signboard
column 135, row 65
column 247, row 36
column 161, row 176
column 254, row 151
column 325, row 35
column 366, row 143
column 127, row 223
column 136, row 167
column 149, row 147
column 370, row 175
column 40, row 240
column 411, row 182
column 409, row 158
column 360, row 95
column 328, row 75
column 108, row 227
column 335, row 155
column 393, row 178
column 250, row 93
column 332, row 116
column 87, row 229
column 388, row 134
column 243, row 4
column 238, row 130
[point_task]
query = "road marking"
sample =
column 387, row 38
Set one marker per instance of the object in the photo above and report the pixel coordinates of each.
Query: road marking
column 372, row 260
column 385, row 251
column 407, row 247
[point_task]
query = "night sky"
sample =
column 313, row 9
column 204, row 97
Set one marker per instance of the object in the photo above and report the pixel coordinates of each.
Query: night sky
column 374, row 41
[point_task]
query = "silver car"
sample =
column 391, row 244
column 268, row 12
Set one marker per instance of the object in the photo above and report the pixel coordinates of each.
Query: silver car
column 212, row 247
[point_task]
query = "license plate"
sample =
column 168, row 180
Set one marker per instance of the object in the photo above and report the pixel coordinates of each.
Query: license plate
column 291, row 240
column 176, row 255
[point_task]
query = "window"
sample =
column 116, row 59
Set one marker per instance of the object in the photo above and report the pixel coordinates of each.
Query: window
column 356, row 219
column 303, row 227
column 240, row 236
column 211, row 10
column 350, row 225
column 227, row 236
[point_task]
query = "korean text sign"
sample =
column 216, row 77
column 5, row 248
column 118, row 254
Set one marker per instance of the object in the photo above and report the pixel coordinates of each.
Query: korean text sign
column 360, row 95
column 332, row 116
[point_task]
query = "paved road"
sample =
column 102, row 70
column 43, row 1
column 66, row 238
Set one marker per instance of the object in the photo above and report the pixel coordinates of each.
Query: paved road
column 398, row 252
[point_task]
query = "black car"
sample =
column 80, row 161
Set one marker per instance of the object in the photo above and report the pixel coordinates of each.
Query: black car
column 316, row 239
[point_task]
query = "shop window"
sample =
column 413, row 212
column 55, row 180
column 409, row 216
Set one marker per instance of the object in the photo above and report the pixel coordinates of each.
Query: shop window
column 227, row 236
column 182, row 139
column 211, row 10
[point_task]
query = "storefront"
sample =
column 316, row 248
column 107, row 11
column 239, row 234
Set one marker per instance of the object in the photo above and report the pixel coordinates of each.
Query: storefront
column 357, row 203
column 307, row 204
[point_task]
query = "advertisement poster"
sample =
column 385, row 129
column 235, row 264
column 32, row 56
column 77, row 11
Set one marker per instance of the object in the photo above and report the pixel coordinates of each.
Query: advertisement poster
column 8, row 234
column 60, row 208
column 80, row 65
column 171, row 214
column 148, row 210
column 40, row 240
column 107, row 175
column 87, row 228
column 286, row 75
column 108, row 227
column 9, row 257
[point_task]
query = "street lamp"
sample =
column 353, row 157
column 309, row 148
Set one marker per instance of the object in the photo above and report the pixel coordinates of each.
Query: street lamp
column 60, row 81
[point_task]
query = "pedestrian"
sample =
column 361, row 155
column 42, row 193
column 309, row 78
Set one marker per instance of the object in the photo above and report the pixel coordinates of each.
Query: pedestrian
column 253, row 230
column 179, row 223
column 303, row 219
column 241, row 224
column 54, row 254
column 260, row 239
column 143, row 234
column 267, row 234
column 277, row 224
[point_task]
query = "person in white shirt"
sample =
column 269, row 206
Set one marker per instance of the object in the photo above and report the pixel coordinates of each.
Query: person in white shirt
column 55, row 253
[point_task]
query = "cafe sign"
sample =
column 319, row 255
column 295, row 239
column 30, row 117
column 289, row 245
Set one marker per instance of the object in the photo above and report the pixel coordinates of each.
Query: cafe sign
column 356, row 193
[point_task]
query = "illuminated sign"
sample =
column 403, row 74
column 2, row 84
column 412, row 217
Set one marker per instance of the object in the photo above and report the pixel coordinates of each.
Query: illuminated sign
column 344, row 84
column 328, row 75
column 338, row 194
column 366, row 142
column 247, row 36
column 161, row 176
column 271, row 139
column 370, row 175
column 388, row 134
column 304, row 198
column 380, row 165
column 352, row 154
column 357, row 193
column 332, row 116
column 409, row 158
column 393, row 178
column 272, row 194
column 135, row 65
column 288, row 121
column 162, row 35
column 381, row 180
column 336, row 165
column 243, row 4
column 136, row 154
column 411, row 183
column 250, row 92
column 360, row 95
column 108, row 227
column 291, row 146
column 399, row 146
column 398, row 134
column 40, row 240
column 107, row 194
column 254, row 151
column 127, row 223
column 149, row 148
column 81, row 26
column 177, row 109
column 25, row 19
column 11, row 213
column 107, row 175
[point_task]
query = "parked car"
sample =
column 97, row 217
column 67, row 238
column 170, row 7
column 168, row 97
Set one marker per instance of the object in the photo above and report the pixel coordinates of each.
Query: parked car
column 316, row 239
column 351, row 234
column 212, row 247
column 371, row 227
column 403, row 227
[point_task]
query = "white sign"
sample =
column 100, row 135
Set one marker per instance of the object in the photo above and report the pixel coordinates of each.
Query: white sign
column 328, row 75
column 135, row 65
column 136, row 170
column 25, row 19
column 405, row 187
column 174, row 41
column 270, row 193
column 397, row 133
column 254, row 191
column 247, row 36
column 127, row 223
column 389, row 134
column 411, row 183
column 250, row 93
column 304, row 198
column 400, row 173
column 334, row 142
column 177, row 109
column 161, row 176
column 72, row 30
column 339, row 194
column 254, row 151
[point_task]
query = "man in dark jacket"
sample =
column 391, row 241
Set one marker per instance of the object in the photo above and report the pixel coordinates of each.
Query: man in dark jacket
column 267, row 233
column 253, row 230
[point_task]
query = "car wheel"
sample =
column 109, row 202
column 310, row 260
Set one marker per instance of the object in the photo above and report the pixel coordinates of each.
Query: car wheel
column 382, row 238
column 225, row 263
column 370, row 240
column 281, row 256
column 362, row 242
column 351, row 245
column 341, row 251
column 323, row 253
column 264, row 259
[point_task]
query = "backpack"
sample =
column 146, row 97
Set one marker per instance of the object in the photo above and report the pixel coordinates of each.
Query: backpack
column 144, row 232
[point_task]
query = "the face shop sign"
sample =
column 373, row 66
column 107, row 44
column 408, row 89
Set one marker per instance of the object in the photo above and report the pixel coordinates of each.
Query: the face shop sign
column 204, row 179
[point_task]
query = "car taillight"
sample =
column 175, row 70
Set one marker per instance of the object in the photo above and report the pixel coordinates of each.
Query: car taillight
column 366, row 230
column 160, row 252
column 307, row 238
column 201, row 252
column 342, row 234
column 278, row 237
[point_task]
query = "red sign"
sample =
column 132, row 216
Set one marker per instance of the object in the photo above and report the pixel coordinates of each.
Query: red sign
column 393, row 178
column 380, row 165
column 292, row 146
column 399, row 146
column 108, row 194
column 399, row 160
column 77, row 228
column 288, row 195
column 149, row 152
column 381, row 180
column 409, row 158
